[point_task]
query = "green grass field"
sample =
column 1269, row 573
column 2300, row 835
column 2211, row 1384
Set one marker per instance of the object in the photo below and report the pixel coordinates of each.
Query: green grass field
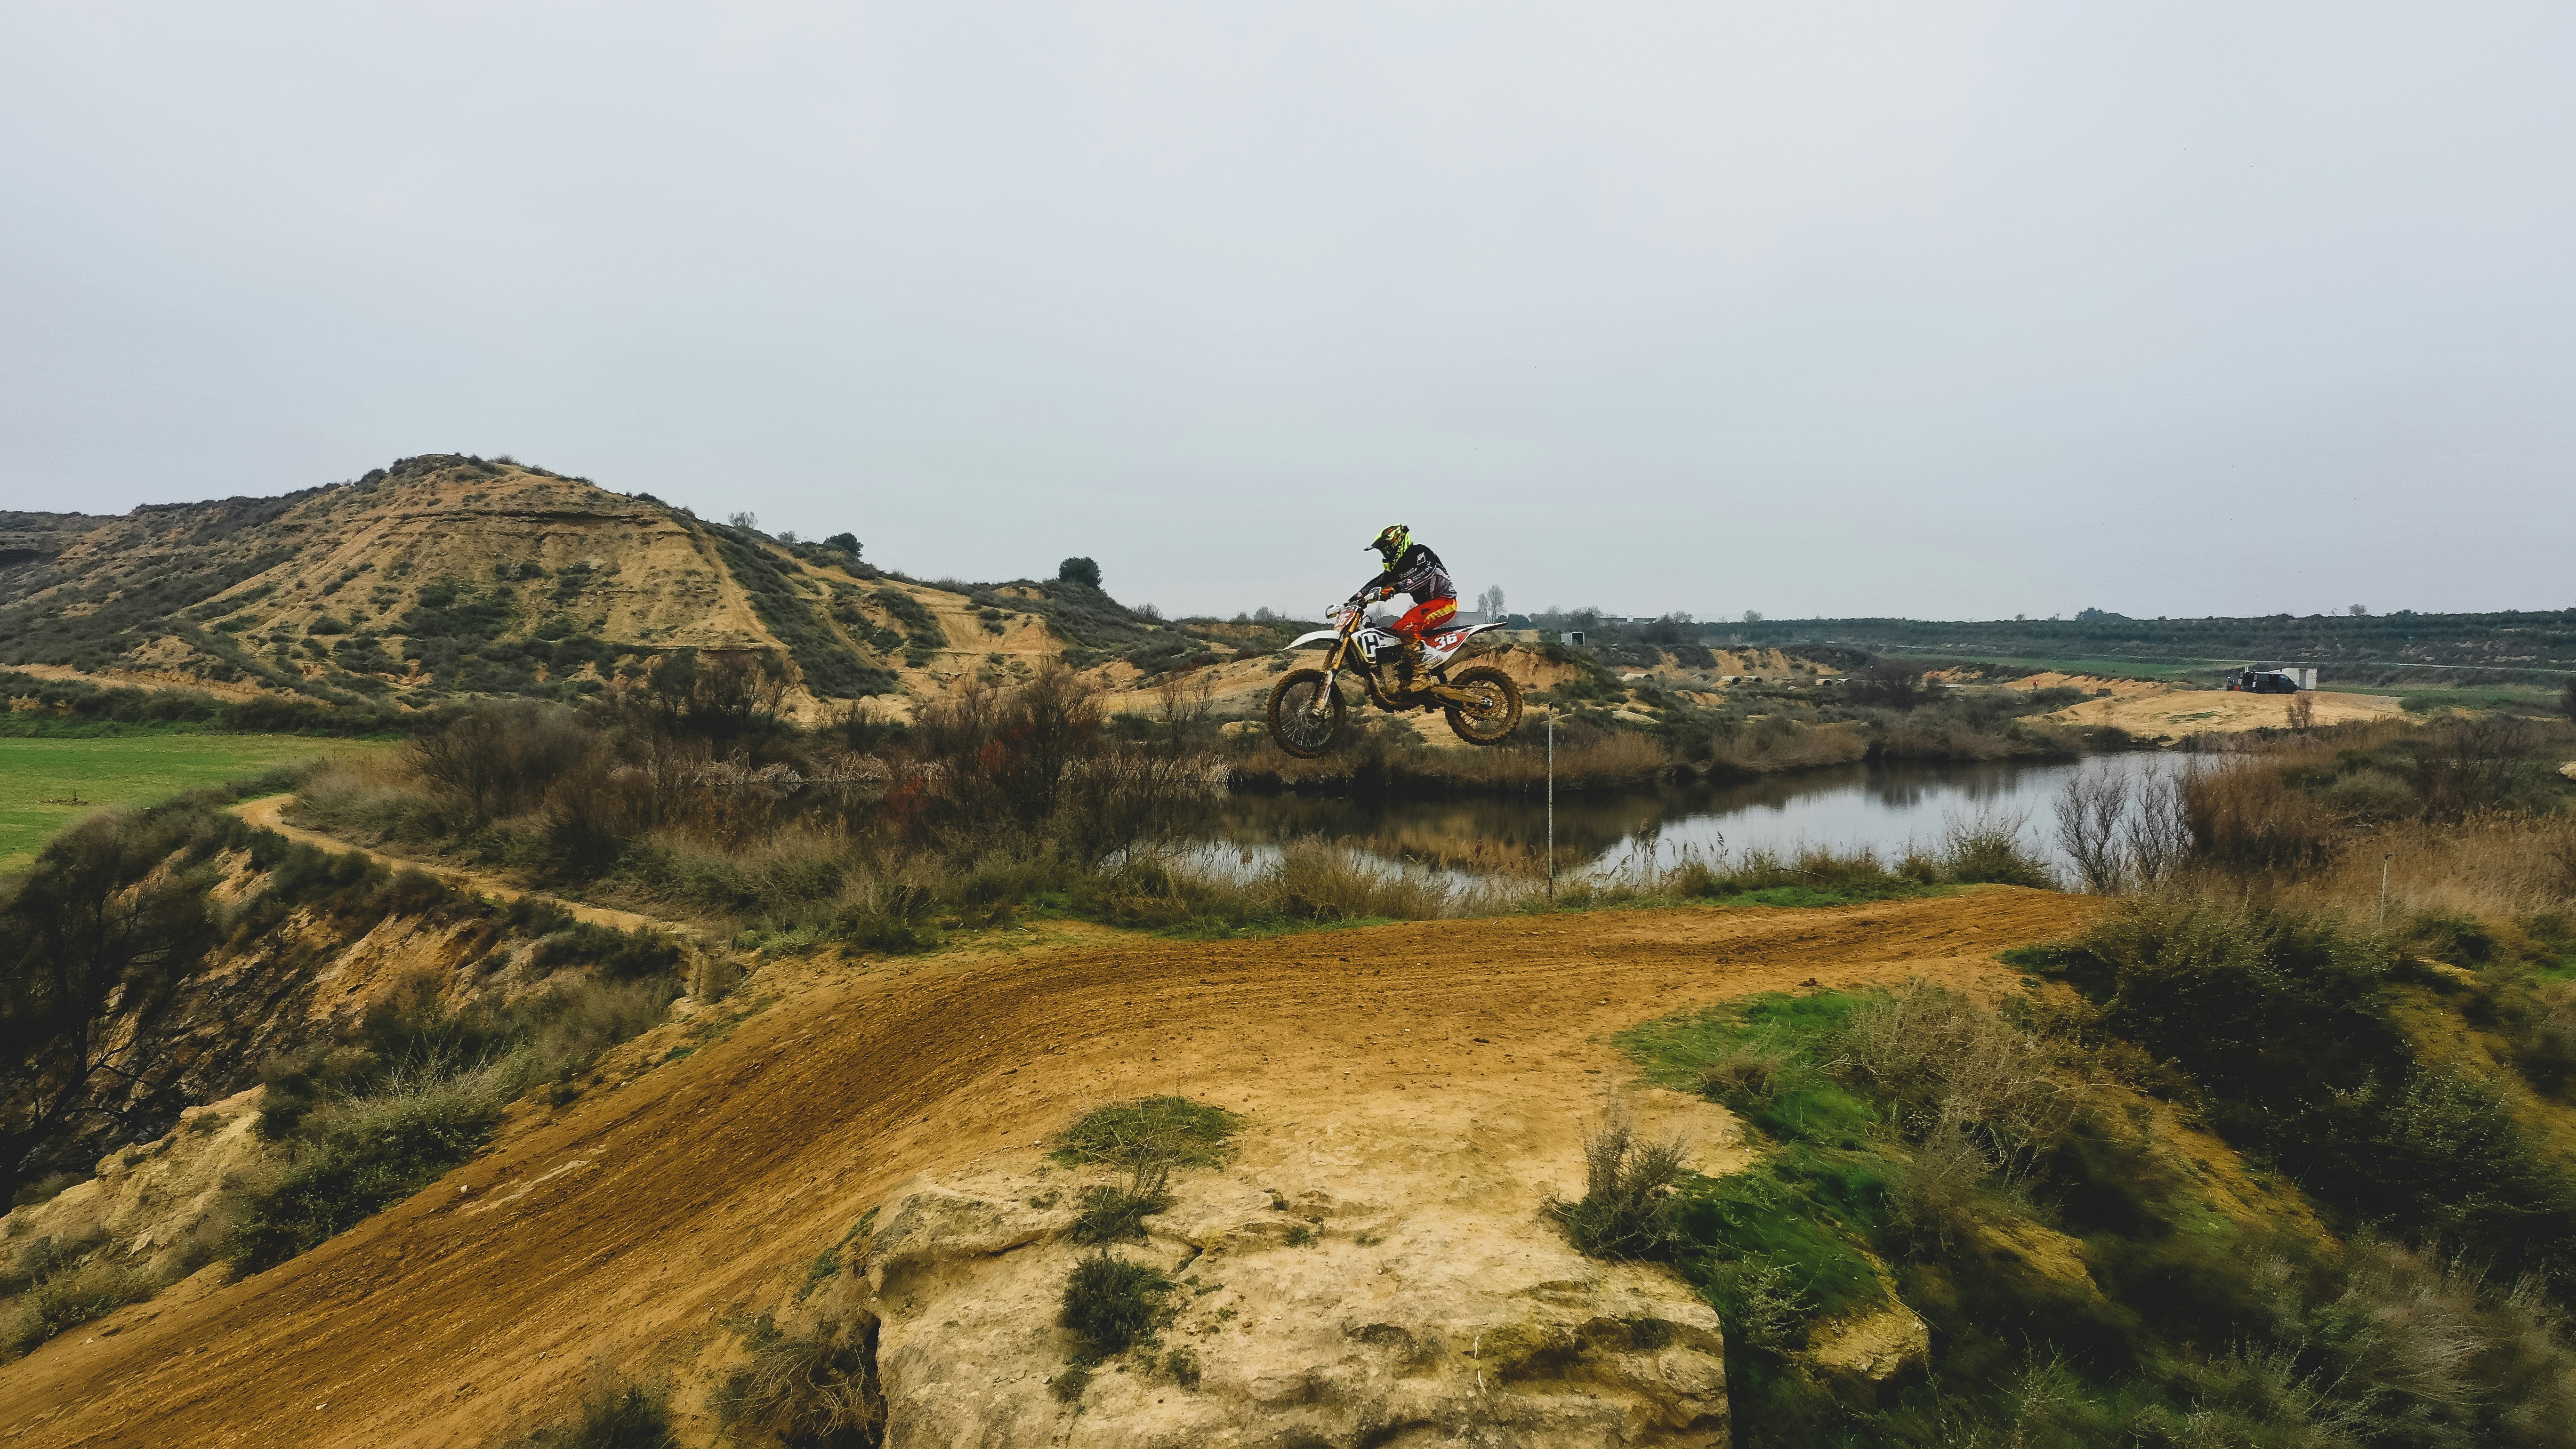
column 128, row 770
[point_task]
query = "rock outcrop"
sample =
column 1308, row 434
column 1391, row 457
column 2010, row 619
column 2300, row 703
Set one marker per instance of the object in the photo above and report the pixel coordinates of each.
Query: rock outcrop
column 151, row 1206
column 1298, row 1318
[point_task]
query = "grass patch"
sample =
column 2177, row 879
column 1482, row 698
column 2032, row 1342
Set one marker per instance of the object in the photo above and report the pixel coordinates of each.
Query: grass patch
column 1150, row 1132
column 1916, row 1139
column 128, row 770
column 68, row 1297
column 371, row 1152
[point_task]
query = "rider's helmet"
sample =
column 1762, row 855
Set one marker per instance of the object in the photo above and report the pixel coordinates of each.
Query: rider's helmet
column 1391, row 542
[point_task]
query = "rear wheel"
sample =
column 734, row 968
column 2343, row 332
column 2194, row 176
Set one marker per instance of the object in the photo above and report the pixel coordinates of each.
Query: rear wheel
column 1492, row 709
column 1306, row 713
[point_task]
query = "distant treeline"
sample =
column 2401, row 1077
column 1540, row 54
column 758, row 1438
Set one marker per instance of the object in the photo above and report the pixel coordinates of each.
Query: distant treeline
column 2536, row 647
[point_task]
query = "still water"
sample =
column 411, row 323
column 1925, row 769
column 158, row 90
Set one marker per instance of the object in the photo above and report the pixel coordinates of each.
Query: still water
column 1883, row 807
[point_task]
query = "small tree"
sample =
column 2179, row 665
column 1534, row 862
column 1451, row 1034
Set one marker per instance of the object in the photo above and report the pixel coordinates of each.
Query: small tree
column 1490, row 602
column 94, row 932
column 1890, row 684
column 847, row 543
column 1079, row 571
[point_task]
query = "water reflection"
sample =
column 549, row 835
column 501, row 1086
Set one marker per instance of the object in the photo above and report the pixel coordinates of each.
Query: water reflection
column 1884, row 807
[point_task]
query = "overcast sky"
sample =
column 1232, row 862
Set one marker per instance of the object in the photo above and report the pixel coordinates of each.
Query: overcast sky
column 1936, row 310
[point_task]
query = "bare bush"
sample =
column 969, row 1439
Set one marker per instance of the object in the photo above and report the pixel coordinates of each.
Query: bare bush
column 1765, row 1306
column 1934, row 1196
column 497, row 760
column 1626, row 1210
column 2414, row 1321
column 1959, row 1074
column 2089, row 810
column 1744, row 1071
column 2242, row 814
column 815, row 1387
column 2478, row 763
column 1988, row 850
column 2157, row 831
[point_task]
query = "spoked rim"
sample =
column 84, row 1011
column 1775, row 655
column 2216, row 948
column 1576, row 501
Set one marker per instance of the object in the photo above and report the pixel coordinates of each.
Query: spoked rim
column 1306, row 716
column 1485, row 711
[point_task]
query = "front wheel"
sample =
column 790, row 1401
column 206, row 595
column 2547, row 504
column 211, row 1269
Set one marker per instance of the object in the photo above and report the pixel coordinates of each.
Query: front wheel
column 1492, row 709
column 1306, row 713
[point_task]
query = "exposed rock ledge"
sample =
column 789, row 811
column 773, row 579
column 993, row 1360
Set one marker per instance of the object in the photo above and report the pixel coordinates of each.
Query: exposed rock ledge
column 1307, row 1319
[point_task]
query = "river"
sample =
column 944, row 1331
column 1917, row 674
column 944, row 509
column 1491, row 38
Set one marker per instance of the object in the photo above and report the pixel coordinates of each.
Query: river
column 1883, row 807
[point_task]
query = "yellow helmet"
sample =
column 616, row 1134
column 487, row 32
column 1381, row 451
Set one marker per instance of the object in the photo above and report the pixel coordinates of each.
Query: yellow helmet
column 1392, row 541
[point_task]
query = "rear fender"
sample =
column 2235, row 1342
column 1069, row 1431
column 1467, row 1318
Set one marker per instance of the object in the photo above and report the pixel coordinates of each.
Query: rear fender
column 1439, row 646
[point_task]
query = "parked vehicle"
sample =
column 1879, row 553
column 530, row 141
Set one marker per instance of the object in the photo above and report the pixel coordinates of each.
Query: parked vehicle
column 2263, row 681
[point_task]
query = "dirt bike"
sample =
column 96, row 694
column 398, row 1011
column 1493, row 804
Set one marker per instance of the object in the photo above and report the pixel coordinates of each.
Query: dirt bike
column 1308, row 713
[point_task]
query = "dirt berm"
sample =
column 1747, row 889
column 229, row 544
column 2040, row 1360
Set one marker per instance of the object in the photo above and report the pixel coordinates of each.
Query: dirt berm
column 622, row 1232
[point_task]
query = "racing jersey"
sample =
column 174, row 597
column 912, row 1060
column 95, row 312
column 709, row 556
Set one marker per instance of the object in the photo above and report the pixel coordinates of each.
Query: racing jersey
column 1416, row 571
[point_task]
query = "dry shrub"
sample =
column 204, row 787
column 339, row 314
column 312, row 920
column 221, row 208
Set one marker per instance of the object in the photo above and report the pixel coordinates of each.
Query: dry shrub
column 1381, row 754
column 1113, row 1213
column 2090, row 809
column 1934, row 1196
column 818, row 1387
column 1627, row 1206
column 1976, row 1097
column 1745, row 1070
column 1765, row 1307
column 613, row 1415
column 1315, row 882
column 2414, row 1322
column 1946, row 742
column 1988, row 850
column 1760, row 750
column 497, row 760
column 2492, row 866
column 2242, row 814
column 70, row 1296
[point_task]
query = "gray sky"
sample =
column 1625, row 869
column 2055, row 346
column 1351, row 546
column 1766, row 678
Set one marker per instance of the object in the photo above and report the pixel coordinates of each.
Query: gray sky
column 1946, row 311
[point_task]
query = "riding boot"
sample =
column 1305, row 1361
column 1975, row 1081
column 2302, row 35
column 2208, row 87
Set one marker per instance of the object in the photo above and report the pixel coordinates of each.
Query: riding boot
column 1412, row 665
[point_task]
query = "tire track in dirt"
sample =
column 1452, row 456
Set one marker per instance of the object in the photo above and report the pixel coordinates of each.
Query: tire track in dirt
column 620, row 1231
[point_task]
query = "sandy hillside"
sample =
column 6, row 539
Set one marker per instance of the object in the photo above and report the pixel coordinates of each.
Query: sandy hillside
column 624, row 1229
column 530, row 577
column 2143, row 707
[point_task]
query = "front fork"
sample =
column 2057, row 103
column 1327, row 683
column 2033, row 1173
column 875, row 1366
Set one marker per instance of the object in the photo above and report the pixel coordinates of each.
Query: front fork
column 1332, row 674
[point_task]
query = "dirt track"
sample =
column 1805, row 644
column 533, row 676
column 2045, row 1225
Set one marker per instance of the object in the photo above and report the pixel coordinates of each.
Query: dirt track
column 268, row 813
column 621, row 1230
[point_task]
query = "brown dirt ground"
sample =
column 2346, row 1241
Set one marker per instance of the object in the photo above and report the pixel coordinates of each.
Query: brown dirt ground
column 619, row 1231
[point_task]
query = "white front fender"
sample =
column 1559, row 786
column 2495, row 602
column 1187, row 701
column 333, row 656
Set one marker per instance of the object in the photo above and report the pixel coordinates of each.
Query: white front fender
column 1320, row 636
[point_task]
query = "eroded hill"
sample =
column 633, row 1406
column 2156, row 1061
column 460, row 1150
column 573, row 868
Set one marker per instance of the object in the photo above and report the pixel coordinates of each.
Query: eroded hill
column 448, row 575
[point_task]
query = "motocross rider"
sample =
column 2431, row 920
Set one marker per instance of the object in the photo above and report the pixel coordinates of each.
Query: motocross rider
column 1413, row 569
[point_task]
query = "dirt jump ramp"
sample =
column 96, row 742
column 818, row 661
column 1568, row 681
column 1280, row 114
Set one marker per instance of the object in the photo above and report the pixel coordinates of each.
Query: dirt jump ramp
column 620, row 1231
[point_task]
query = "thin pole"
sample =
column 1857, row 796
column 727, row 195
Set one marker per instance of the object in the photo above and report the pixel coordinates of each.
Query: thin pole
column 2383, row 887
column 1551, row 804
